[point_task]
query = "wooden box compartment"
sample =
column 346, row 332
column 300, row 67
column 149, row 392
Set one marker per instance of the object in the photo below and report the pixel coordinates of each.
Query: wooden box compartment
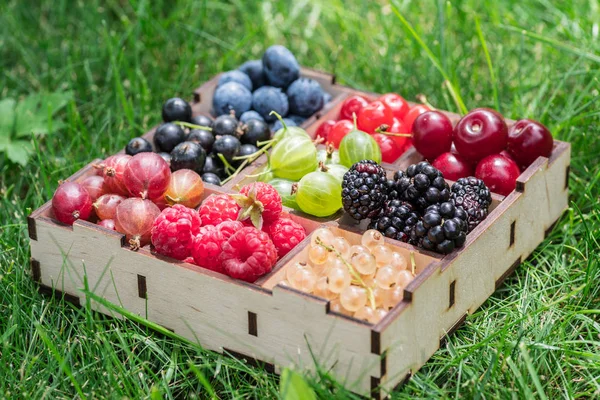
column 281, row 326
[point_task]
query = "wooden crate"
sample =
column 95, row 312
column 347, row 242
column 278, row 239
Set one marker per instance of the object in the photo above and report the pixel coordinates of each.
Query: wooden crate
column 280, row 326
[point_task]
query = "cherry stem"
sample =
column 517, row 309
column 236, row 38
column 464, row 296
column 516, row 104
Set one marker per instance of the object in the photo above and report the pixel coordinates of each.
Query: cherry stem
column 423, row 99
column 351, row 269
column 383, row 130
column 354, row 118
column 193, row 126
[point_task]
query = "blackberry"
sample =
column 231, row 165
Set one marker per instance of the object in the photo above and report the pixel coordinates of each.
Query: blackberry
column 442, row 228
column 422, row 185
column 474, row 197
column 396, row 221
column 364, row 190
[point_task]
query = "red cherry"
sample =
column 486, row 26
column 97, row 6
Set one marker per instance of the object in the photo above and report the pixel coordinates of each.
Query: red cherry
column 498, row 173
column 373, row 115
column 352, row 105
column 338, row 131
column 413, row 113
column 396, row 103
column 480, row 133
column 453, row 166
column 389, row 149
column 324, row 129
column 432, row 134
column 528, row 140
column 403, row 142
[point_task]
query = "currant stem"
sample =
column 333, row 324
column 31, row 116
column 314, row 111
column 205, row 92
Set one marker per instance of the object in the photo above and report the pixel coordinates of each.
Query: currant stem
column 228, row 166
column 192, row 126
column 353, row 272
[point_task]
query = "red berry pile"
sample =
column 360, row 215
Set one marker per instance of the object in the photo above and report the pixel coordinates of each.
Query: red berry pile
column 241, row 235
column 481, row 144
column 127, row 194
column 389, row 119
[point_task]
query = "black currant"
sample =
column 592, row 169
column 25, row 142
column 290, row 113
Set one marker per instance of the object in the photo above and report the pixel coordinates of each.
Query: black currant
column 202, row 120
column 166, row 157
column 209, row 177
column 213, row 165
column 203, row 138
column 255, row 131
column 225, row 125
column 188, row 155
column 176, row 109
column 167, row 136
column 227, row 145
column 138, row 145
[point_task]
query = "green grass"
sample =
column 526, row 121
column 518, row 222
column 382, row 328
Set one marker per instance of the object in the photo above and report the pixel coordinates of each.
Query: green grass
column 538, row 336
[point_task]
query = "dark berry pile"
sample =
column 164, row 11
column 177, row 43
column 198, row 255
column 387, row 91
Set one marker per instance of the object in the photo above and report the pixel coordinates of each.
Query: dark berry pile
column 442, row 228
column 364, row 190
column 396, row 221
column 474, row 197
column 417, row 205
column 214, row 152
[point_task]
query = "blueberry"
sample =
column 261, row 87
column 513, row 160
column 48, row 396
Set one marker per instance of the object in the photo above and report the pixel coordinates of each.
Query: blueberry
column 267, row 99
column 202, row 137
column 248, row 115
column 305, row 97
column 227, row 145
column 225, row 125
column 231, row 96
column 211, row 178
column 166, row 157
column 326, row 98
column 235, row 76
column 138, row 145
column 255, row 131
column 299, row 120
column 213, row 165
column 188, row 155
column 202, row 120
column 277, row 125
column 280, row 66
column 254, row 69
column 176, row 109
column 167, row 136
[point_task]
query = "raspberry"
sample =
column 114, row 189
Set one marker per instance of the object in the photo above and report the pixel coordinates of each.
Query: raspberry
column 248, row 254
column 174, row 230
column 218, row 208
column 228, row 228
column 285, row 234
column 260, row 202
column 207, row 247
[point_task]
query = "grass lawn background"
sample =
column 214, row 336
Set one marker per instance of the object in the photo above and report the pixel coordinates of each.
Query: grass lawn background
column 536, row 336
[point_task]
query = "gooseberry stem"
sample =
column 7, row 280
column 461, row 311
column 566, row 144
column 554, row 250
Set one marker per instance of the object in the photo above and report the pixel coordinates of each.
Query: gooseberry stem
column 285, row 128
column 353, row 272
column 192, row 126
